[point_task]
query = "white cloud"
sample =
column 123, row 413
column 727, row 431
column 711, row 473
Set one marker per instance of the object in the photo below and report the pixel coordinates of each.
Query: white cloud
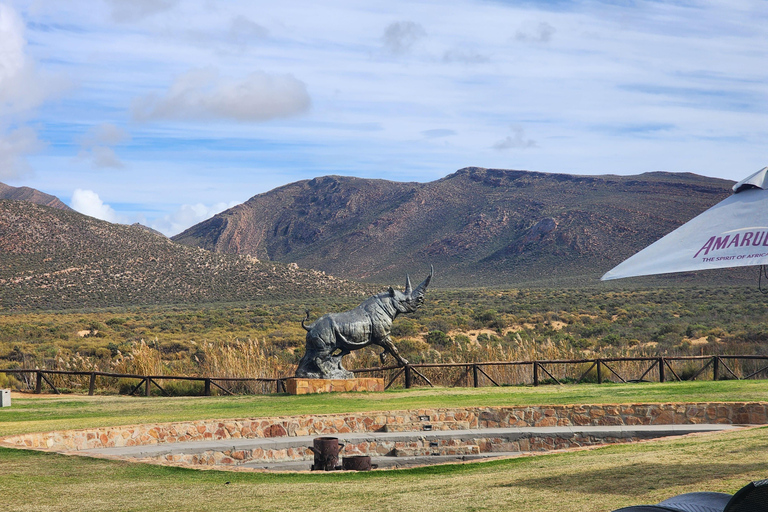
column 22, row 89
column 187, row 216
column 96, row 146
column 22, row 86
column 401, row 36
column 127, row 11
column 201, row 94
column 89, row 203
column 437, row 133
column 464, row 56
column 516, row 141
column 539, row 33
column 242, row 31
column 14, row 146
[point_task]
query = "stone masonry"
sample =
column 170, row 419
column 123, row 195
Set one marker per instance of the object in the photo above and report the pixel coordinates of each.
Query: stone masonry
column 754, row 413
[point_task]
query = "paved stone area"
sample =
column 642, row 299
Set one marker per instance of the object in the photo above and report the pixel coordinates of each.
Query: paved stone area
column 385, row 462
column 504, row 435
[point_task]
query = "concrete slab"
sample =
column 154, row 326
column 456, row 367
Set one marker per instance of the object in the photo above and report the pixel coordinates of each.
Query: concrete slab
column 505, row 434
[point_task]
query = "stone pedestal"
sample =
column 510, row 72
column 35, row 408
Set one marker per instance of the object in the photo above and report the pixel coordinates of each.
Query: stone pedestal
column 296, row 386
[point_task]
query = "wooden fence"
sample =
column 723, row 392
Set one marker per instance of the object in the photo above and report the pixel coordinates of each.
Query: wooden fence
column 145, row 381
column 559, row 371
column 474, row 374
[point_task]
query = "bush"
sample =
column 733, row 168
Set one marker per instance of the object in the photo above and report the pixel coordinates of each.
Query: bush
column 125, row 386
column 182, row 388
column 9, row 381
column 438, row 338
column 591, row 376
column 405, row 328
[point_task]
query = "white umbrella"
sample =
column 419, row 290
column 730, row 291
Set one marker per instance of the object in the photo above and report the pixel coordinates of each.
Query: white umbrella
column 733, row 233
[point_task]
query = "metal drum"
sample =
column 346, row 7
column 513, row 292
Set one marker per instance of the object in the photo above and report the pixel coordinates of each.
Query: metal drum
column 326, row 450
column 358, row 463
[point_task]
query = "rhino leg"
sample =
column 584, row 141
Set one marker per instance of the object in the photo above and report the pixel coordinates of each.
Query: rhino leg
column 388, row 346
column 322, row 359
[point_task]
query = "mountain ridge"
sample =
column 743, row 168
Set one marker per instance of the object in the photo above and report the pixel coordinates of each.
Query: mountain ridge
column 32, row 195
column 478, row 226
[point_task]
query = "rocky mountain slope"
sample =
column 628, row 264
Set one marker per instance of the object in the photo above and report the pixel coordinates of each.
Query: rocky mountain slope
column 477, row 226
column 58, row 259
column 32, row 195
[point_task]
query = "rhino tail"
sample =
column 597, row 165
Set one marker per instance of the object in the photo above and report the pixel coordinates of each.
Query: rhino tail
column 304, row 320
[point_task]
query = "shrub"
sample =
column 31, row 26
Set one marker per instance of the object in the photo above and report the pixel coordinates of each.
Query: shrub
column 591, row 376
column 438, row 338
column 125, row 386
column 182, row 388
column 9, row 381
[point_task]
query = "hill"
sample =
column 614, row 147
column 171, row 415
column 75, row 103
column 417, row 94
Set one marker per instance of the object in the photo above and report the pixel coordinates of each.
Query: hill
column 32, row 195
column 479, row 227
column 59, row 259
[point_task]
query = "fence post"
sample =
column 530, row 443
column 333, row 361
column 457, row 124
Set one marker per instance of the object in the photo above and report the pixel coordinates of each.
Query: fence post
column 715, row 368
column 147, row 383
column 38, row 383
column 661, row 369
column 207, row 391
column 535, row 373
column 599, row 372
column 475, row 376
column 92, row 384
column 408, row 377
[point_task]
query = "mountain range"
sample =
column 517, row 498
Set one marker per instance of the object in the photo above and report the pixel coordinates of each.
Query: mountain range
column 329, row 235
column 478, row 227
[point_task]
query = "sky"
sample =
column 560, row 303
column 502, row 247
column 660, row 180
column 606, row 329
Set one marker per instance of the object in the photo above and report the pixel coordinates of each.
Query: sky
column 166, row 112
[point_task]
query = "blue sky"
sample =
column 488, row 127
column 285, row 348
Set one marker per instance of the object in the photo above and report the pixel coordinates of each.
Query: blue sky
column 167, row 111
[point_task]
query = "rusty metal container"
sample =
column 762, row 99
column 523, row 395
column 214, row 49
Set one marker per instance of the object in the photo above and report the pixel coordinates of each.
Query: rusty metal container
column 358, row 463
column 326, row 450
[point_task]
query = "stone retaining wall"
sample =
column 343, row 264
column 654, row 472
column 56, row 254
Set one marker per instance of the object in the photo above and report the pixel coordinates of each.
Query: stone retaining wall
column 754, row 413
column 414, row 447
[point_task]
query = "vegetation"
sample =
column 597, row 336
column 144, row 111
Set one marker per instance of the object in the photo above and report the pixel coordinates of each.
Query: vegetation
column 266, row 339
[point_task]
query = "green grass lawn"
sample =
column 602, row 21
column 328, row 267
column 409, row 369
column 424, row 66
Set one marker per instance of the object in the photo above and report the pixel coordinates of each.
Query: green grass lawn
column 591, row 480
column 40, row 414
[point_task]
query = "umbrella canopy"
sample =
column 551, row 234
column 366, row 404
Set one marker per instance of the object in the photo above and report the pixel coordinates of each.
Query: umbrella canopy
column 733, row 233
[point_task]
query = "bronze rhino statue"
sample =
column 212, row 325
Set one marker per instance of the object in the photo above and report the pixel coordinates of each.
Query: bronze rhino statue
column 335, row 335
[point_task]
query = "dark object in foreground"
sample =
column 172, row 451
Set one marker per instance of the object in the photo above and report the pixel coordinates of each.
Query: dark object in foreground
column 358, row 463
column 335, row 335
column 753, row 497
column 326, row 450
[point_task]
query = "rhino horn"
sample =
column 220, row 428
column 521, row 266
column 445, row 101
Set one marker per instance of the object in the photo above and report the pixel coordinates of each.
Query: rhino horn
column 408, row 288
column 419, row 291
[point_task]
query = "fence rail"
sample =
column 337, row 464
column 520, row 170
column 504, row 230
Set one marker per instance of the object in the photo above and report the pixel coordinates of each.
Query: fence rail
column 639, row 369
column 144, row 380
column 474, row 374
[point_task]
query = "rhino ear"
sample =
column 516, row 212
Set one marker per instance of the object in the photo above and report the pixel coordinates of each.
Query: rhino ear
column 391, row 291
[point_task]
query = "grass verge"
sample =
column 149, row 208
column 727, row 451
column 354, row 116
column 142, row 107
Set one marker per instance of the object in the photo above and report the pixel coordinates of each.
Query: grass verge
column 42, row 414
column 595, row 480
